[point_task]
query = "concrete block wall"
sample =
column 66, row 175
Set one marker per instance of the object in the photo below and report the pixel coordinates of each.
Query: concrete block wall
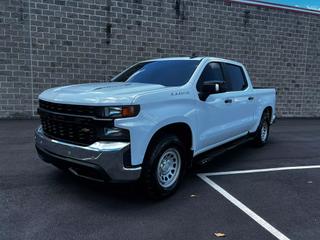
column 47, row 43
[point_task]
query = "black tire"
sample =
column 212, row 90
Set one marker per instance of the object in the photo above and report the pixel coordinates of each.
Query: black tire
column 163, row 144
column 261, row 136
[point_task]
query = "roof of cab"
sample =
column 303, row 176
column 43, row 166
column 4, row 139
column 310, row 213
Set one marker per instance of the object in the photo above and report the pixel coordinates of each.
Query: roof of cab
column 176, row 58
column 206, row 58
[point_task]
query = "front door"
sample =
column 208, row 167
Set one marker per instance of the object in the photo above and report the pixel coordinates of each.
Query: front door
column 227, row 114
column 215, row 114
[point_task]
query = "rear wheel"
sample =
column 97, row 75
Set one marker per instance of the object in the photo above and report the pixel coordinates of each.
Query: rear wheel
column 163, row 166
column 262, row 133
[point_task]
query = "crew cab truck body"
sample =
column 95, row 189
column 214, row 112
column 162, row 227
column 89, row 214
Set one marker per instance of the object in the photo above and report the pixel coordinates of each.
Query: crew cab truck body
column 152, row 120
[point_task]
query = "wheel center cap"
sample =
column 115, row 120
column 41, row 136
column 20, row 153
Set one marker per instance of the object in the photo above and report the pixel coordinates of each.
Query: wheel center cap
column 166, row 166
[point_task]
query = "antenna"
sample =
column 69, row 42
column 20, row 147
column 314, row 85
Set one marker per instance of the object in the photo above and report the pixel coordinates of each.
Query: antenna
column 194, row 55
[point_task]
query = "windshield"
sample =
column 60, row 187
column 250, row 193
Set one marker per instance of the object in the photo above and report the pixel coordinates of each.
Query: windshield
column 164, row 72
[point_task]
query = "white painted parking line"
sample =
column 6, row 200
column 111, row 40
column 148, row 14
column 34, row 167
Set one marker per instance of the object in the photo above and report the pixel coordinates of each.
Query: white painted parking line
column 260, row 170
column 275, row 232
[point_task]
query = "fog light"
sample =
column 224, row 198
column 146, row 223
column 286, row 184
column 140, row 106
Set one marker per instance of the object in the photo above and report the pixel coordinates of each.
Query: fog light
column 112, row 132
column 117, row 134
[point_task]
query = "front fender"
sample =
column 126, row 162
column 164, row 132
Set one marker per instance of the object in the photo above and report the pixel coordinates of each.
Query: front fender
column 152, row 118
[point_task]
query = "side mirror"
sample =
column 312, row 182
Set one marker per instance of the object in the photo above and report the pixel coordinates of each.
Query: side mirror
column 209, row 87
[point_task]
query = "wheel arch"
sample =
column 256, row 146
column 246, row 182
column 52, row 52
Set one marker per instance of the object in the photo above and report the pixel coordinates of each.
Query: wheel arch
column 269, row 110
column 181, row 129
column 259, row 114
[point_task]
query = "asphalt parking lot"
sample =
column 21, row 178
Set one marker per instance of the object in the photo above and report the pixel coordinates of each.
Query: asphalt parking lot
column 39, row 202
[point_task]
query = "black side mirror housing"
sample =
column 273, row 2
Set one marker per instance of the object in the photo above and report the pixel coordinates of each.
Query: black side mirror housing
column 209, row 87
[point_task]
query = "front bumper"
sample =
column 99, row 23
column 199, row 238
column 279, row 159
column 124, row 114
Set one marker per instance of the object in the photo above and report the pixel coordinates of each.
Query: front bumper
column 102, row 161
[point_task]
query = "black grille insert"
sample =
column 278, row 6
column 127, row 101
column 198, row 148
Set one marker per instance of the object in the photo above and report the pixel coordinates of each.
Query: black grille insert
column 71, row 124
column 70, row 129
column 71, row 109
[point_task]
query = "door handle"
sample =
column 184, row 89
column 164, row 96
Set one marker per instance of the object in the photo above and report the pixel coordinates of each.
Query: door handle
column 228, row 101
column 250, row 98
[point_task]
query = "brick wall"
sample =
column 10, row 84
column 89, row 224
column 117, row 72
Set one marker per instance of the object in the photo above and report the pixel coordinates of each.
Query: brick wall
column 46, row 43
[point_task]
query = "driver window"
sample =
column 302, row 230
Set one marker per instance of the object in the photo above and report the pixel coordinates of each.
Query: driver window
column 211, row 72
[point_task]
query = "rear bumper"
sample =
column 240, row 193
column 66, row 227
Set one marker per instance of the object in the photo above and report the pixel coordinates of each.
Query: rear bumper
column 102, row 161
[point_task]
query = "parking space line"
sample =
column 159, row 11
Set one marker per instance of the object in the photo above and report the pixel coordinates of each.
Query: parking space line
column 275, row 232
column 260, row 170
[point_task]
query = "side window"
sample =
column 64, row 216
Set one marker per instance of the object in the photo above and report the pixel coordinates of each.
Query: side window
column 211, row 72
column 235, row 76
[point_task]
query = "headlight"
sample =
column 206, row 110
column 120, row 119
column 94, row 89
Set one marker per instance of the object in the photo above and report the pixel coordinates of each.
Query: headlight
column 121, row 112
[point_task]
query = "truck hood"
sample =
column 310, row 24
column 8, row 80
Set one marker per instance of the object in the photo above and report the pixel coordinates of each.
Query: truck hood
column 114, row 93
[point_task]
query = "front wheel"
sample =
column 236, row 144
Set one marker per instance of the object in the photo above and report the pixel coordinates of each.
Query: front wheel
column 262, row 133
column 163, row 166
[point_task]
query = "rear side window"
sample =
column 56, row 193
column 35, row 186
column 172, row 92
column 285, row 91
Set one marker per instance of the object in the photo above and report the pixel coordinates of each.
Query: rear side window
column 235, row 76
column 212, row 72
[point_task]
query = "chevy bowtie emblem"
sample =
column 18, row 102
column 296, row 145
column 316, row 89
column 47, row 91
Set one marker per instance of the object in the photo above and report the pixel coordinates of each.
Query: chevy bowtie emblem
column 85, row 130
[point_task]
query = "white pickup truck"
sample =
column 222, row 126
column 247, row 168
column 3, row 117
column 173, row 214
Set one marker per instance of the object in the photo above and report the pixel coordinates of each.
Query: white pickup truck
column 153, row 120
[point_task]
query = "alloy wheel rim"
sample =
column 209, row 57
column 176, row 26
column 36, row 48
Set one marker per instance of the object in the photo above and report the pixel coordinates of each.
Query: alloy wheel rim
column 169, row 166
